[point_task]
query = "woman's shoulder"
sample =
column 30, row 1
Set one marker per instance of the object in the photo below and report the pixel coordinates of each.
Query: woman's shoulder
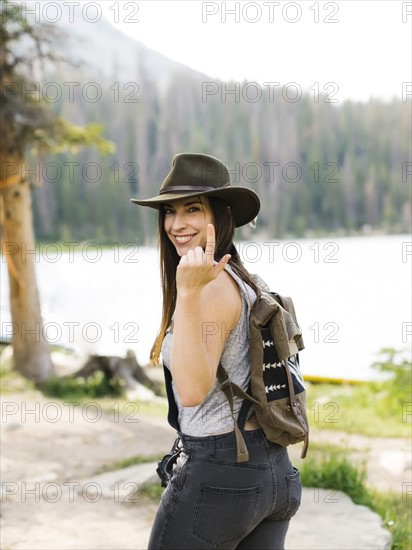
column 257, row 280
column 221, row 300
column 223, row 287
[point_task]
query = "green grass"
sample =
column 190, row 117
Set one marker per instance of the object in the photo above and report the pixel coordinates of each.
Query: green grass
column 126, row 462
column 73, row 389
column 320, row 448
column 395, row 511
column 376, row 409
column 151, row 491
column 359, row 409
column 338, row 473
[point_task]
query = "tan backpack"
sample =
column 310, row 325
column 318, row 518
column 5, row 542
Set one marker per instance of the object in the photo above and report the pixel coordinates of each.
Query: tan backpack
column 276, row 385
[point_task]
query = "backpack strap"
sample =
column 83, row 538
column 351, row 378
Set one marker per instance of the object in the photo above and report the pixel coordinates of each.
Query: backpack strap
column 224, row 381
column 227, row 388
column 296, row 409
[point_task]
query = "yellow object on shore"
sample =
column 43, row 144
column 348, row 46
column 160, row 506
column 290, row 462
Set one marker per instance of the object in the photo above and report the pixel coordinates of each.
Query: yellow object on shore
column 314, row 379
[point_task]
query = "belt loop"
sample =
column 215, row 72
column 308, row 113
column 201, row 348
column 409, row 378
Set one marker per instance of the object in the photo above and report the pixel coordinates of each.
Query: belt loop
column 265, row 440
column 212, row 446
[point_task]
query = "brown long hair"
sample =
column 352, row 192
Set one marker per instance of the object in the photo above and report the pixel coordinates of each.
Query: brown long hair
column 169, row 260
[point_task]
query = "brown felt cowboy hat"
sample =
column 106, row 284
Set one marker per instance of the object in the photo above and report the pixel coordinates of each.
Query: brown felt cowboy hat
column 193, row 175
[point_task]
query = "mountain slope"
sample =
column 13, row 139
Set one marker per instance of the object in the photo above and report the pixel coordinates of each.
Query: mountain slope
column 107, row 52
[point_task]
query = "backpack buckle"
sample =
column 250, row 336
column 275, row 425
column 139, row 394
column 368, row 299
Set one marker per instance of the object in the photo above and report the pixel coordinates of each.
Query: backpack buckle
column 225, row 384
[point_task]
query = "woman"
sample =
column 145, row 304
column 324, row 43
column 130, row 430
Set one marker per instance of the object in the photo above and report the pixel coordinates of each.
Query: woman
column 212, row 501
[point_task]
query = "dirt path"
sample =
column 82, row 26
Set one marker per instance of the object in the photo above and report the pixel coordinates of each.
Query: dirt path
column 50, row 451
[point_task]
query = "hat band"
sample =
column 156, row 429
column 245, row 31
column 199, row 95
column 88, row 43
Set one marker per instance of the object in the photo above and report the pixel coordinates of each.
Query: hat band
column 173, row 188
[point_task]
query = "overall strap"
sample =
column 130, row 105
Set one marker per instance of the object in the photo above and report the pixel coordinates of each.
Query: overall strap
column 227, row 388
column 244, row 409
column 173, row 414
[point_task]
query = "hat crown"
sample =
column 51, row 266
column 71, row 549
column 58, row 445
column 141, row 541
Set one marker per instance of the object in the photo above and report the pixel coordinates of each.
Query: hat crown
column 194, row 175
column 195, row 172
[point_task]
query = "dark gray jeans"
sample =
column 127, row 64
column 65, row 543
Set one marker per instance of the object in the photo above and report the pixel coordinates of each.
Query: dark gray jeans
column 214, row 502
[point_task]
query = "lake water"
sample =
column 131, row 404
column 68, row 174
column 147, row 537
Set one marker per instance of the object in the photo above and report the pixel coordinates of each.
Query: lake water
column 352, row 296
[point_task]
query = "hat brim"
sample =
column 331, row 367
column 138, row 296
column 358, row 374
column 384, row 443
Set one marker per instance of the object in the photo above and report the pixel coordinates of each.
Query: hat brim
column 244, row 202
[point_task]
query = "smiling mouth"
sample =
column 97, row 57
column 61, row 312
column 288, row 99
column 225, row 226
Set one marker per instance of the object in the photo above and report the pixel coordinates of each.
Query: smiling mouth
column 183, row 239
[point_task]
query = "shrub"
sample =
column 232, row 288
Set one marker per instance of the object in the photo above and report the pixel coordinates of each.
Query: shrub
column 397, row 387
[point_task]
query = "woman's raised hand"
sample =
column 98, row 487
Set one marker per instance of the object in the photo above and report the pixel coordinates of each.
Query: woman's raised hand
column 196, row 268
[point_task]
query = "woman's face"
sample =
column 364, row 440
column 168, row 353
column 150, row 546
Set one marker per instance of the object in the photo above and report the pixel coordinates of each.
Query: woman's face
column 185, row 222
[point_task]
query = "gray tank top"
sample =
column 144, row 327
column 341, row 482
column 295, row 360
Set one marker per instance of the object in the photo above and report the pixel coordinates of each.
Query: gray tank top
column 213, row 415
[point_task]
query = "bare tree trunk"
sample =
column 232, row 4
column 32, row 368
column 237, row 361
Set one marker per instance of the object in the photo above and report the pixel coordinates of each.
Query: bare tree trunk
column 31, row 353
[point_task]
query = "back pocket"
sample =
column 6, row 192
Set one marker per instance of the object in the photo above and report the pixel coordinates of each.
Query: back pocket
column 223, row 514
column 294, row 489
